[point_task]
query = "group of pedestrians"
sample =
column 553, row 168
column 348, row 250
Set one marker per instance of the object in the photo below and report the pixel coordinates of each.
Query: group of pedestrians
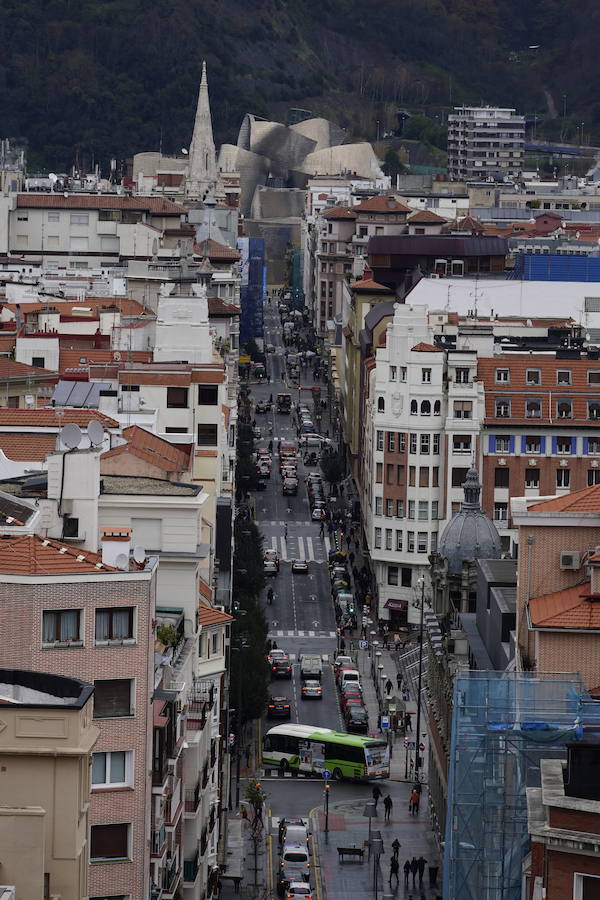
column 412, row 867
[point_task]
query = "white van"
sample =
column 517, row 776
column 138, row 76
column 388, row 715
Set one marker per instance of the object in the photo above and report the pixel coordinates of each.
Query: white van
column 350, row 676
column 294, row 861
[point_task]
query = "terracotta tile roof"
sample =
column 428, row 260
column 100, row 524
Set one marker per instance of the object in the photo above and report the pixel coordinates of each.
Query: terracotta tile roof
column 11, row 369
column 8, row 342
column 205, row 590
column 339, row 212
column 29, row 554
column 584, row 501
column 48, row 417
column 382, row 203
column 172, row 374
column 82, row 359
column 423, row 347
column 369, row 286
column 156, row 206
column 26, row 447
column 426, row 217
column 466, row 223
column 218, row 307
column 123, row 305
column 572, row 608
column 211, row 616
column 151, row 449
column 215, row 250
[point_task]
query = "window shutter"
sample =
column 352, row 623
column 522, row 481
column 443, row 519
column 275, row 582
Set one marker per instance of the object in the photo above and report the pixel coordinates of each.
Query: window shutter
column 523, row 444
column 492, row 444
column 511, row 444
column 542, row 444
column 585, row 446
column 554, row 445
column 573, row 445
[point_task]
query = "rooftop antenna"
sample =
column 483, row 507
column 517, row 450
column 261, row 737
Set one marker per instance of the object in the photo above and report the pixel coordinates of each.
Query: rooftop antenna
column 139, row 555
column 95, row 432
column 122, row 561
column 71, row 436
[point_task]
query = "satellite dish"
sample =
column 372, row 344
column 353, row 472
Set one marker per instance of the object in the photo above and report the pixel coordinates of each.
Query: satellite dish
column 95, row 433
column 117, row 355
column 139, row 554
column 122, row 561
column 71, row 436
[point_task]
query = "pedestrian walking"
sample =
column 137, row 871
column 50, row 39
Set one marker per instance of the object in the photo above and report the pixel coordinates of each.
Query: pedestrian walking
column 351, row 556
column 414, row 868
column 396, row 847
column 376, row 792
column 408, row 720
column 285, row 532
column 413, row 807
column 421, row 862
column 342, row 645
column 389, row 687
column 322, row 528
column 388, row 804
column 399, row 681
column 394, row 868
column 406, row 873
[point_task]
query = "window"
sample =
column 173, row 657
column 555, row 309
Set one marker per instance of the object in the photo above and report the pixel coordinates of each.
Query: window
column 379, row 473
column 388, row 538
column 502, row 376
column 593, row 409
column 436, row 445
column 113, row 698
column 463, row 409
column 423, row 476
column 437, row 408
column 61, row 626
column 563, row 445
column 461, row 443
column 78, row 244
column 401, row 442
column 564, row 409
column 423, row 510
column 502, row 444
column 38, row 361
column 412, row 443
column 380, row 404
column 115, row 624
column 399, row 541
column 177, row 398
column 424, row 444
column 532, row 478
column 411, row 509
column 389, row 508
column 207, row 436
column 593, row 477
column 389, row 473
column 533, row 444
column 410, row 541
column 112, row 769
column 594, row 445
column 215, row 644
column 380, row 440
column 425, row 408
column 109, row 842
column 378, row 506
column 500, row 512
column 378, row 538
column 503, row 408
column 462, row 375
column 501, row 477
column 400, row 476
column 170, row 430
column 563, row 478
column 585, row 887
column 435, row 474
column 406, row 576
column 399, row 509
column 434, row 509
column 414, row 407
column 426, row 376
column 392, row 573
column 434, row 542
column 422, row 542
column 53, row 217
column 412, row 475
column 402, row 373
column 563, row 376
column 391, row 440
column 208, row 395
column 79, row 218
column 533, row 376
column 533, row 409
column 594, row 377
column 393, row 373
column 459, row 477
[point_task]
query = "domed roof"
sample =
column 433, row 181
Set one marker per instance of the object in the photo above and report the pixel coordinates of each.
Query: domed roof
column 469, row 534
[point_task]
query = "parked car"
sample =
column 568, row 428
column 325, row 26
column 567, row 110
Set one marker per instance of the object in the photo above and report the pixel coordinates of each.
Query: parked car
column 299, row 890
column 290, row 822
column 278, row 708
column 357, row 719
column 261, row 406
column 312, row 690
column 289, row 487
column 299, row 565
column 318, row 514
column 341, row 661
column 276, row 654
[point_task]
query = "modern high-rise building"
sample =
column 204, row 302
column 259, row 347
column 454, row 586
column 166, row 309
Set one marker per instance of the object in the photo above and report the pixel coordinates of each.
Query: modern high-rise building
column 484, row 141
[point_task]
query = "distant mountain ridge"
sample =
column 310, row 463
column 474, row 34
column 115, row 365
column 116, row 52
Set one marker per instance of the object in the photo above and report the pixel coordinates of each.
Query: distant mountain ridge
column 104, row 78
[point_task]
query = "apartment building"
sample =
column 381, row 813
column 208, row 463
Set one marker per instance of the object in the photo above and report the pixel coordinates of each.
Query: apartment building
column 484, row 141
column 46, row 743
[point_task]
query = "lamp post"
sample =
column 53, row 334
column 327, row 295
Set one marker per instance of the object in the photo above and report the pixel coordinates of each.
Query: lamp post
column 370, row 811
column 377, row 845
column 421, row 583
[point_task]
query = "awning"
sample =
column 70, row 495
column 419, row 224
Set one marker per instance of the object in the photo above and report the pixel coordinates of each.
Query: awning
column 159, row 720
column 396, row 605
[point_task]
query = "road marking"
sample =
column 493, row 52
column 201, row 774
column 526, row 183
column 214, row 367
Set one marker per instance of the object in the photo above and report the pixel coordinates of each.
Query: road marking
column 327, row 543
column 310, row 553
column 301, row 553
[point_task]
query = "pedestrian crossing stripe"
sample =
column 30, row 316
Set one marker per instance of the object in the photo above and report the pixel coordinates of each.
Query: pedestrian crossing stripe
column 295, row 657
column 307, row 548
column 294, row 634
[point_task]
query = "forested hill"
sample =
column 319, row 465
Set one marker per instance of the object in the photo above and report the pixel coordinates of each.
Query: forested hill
column 112, row 77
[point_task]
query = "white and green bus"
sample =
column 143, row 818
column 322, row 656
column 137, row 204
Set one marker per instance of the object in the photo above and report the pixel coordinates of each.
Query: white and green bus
column 311, row 749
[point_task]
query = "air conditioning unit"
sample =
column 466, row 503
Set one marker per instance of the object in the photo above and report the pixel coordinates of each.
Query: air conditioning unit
column 570, row 559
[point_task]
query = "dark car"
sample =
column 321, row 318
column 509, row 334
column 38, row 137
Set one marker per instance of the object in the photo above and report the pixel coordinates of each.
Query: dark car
column 281, row 668
column 278, row 708
column 357, row 719
column 261, row 484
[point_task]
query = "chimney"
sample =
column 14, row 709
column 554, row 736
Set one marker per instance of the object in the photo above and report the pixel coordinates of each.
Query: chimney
column 367, row 274
column 116, row 543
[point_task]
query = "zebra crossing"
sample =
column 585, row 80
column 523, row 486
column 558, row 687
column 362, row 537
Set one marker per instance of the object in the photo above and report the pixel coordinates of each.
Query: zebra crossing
column 283, row 633
column 296, row 547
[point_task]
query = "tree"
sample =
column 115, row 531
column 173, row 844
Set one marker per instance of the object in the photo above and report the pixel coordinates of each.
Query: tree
column 332, row 466
column 248, row 574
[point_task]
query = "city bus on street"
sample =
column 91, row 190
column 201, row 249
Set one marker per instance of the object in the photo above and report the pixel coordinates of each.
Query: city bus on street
column 313, row 750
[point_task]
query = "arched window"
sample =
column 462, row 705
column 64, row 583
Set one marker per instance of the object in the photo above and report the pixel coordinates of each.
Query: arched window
column 425, row 408
column 414, row 408
column 437, row 408
column 380, row 404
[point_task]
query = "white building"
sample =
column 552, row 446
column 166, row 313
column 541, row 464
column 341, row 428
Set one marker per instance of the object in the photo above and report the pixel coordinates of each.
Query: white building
column 485, row 141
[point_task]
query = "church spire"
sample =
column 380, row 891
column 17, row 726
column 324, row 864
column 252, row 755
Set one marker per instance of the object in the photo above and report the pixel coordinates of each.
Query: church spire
column 202, row 170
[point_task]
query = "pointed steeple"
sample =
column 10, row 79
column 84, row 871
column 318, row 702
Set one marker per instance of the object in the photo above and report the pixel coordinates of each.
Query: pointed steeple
column 202, row 173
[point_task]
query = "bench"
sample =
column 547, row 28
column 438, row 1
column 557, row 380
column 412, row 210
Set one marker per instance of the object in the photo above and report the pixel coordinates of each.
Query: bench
column 357, row 852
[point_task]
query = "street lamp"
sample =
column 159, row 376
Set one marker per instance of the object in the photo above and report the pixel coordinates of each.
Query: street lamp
column 377, row 845
column 370, row 810
column 421, row 584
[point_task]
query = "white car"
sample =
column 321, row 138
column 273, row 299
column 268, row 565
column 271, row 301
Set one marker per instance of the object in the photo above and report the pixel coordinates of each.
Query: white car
column 299, row 565
column 270, row 567
column 297, row 890
column 318, row 514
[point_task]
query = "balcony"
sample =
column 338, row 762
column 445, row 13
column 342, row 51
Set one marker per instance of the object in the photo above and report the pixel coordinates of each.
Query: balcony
column 174, row 803
column 159, row 841
column 190, row 867
column 171, row 876
column 192, row 801
column 200, row 704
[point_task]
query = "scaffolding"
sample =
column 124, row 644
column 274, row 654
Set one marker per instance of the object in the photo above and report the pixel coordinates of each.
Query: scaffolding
column 503, row 724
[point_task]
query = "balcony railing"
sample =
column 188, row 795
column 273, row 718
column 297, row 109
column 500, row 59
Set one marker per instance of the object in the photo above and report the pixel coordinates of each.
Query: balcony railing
column 171, row 875
column 191, row 866
column 159, row 837
column 192, row 799
column 173, row 804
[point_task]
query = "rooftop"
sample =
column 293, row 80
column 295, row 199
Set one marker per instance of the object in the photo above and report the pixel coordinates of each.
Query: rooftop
column 339, row 212
column 30, row 554
column 11, row 370
column 214, row 250
column 369, row 286
column 423, row 347
column 211, row 616
column 25, row 446
column 53, row 418
column 571, row 608
column 156, row 206
column 426, row 217
column 151, row 449
column 14, row 512
column 584, row 501
column 141, row 485
column 35, row 689
column 382, row 203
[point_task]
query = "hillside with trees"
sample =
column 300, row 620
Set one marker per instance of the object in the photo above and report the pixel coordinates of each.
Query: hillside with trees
column 92, row 79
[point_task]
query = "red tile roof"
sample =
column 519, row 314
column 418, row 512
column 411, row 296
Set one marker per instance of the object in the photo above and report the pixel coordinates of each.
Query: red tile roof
column 584, row 501
column 218, row 307
column 124, row 305
column 29, row 554
column 48, row 417
column 572, row 608
column 11, row 369
column 339, row 212
column 215, row 250
column 422, row 347
column 426, row 217
column 369, row 286
column 156, row 206
column 382, row 203
column 25, row 446
column 81, row 359
column 151, row 449
column 211, row 616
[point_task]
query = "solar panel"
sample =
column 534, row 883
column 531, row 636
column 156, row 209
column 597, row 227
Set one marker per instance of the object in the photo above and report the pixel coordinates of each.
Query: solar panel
column 79, row 393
